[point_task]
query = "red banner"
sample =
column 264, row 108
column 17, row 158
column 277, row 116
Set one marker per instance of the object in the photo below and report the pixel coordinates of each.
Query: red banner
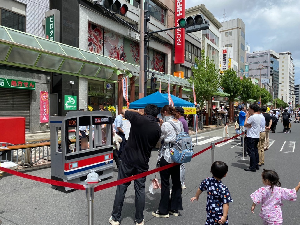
column 44, row 107
column 179, row 33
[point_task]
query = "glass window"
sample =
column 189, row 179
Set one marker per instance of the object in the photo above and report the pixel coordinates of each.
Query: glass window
column 243, row 34
column 242, row 47
column 157, row 12
column 13, row 20
column 228, row 45
column 242, row 58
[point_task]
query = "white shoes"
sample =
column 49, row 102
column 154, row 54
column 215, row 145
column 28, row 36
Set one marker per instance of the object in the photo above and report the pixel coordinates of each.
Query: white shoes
column 112, row 222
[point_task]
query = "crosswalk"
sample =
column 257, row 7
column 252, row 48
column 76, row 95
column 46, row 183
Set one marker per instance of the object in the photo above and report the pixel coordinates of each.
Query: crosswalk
column 281, row 146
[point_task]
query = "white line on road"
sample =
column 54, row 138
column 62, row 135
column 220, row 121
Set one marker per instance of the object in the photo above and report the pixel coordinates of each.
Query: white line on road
column 282, row 146
column 198, row 138
column 292, row 144
column 224, row 143
column 272, row 142
column 208, row 140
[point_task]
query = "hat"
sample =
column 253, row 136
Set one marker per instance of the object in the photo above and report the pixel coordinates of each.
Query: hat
column 180, row 110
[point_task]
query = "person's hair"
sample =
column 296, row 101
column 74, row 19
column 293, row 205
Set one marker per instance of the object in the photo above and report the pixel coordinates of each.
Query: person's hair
column 272, row 177
column 285, row 110
column 151, row 110
column 170, row 110
column 180, row 110
column 254, row 107
column 264, row 109
column 219, row 169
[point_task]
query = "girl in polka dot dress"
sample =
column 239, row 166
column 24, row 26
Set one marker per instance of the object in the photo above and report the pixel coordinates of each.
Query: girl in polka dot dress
column 270, row 197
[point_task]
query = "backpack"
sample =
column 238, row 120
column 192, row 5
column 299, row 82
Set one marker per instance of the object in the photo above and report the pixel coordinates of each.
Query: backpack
column 285, row 116
column 182, row 149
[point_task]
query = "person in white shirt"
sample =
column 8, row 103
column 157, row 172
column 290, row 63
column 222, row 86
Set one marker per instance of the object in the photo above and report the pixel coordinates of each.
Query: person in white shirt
column 252, row 122
column 262, row 139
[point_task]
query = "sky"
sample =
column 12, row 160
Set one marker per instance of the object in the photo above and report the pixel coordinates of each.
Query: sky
column 270, row 24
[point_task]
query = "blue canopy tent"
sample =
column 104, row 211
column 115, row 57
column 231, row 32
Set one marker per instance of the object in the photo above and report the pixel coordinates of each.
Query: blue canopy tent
column 160, row 100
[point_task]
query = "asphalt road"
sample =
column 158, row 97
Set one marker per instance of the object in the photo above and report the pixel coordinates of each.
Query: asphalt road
column 28, row 202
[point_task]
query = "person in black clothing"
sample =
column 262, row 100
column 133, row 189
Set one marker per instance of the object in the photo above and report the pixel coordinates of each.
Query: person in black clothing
column 268, row 126
column 286, row 121
column 144, row 134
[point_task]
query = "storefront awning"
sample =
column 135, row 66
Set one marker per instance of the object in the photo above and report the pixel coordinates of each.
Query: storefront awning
column 33, row 52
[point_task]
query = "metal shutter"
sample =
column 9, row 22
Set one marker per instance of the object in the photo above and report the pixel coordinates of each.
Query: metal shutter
column 15, row 102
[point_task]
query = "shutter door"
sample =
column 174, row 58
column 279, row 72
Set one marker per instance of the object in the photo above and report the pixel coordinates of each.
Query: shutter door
column 15, row 102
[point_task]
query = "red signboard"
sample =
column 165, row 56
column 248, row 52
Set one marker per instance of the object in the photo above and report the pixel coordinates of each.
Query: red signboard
column 14, row 130
column 44, row 107
column 180, row 32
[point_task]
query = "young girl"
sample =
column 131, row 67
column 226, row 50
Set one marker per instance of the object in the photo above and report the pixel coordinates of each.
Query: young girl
column 270, row 198
column 225, row 131
column 218, row 195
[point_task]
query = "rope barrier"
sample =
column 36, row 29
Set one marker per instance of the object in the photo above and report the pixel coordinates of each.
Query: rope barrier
column 107, row 185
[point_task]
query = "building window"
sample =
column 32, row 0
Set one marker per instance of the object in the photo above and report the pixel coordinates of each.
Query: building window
column 282, row 69
column 157, row 12
column 242, row 59
column 242, row 47
column 12, row 20
column 228, row 45
column 191, row 52
column 243, row 34
column 210, row 36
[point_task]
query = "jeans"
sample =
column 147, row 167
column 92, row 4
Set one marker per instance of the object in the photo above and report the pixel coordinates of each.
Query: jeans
column 165, row 203
column 253, row 152
column 126, row 170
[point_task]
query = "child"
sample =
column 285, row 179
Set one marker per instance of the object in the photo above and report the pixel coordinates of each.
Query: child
column 237, row 127
column 218, row 196
column 271, row 196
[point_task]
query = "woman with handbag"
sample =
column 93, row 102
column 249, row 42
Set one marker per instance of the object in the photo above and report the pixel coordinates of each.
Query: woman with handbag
column 169, row 206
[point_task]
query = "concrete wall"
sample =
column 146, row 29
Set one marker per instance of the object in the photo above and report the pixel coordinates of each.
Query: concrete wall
column 83, row 93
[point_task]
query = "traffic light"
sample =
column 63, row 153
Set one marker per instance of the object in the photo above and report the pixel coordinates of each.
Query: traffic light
column 115, row 6
column 193, row 23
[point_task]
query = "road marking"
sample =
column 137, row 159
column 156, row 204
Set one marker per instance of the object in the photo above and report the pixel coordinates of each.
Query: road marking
column 198, row 138
column 292, row 145
column 282, row 146
column 224, row 143
column 208, row 140
column 272, row 142
column 237, row 145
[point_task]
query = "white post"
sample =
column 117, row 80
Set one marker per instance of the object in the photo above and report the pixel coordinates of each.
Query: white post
column 212, row 152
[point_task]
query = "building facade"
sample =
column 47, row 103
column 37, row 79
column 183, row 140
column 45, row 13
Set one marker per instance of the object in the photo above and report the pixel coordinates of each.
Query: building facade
column 286, row 77
column 264, row 66
column 297, row 94
column 233, row 35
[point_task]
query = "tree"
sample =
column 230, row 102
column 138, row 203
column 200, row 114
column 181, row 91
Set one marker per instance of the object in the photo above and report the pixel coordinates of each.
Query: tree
column 206, row 80
column 231, row 85
column 280, row 103
column 265, row 96
column 247, row 89
column 256, row 92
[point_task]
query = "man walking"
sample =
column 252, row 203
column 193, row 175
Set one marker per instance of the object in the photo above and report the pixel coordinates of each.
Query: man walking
column 144, row 134
column 262, row 139
column 286, row 121
column 268, row 120
column 252, row 123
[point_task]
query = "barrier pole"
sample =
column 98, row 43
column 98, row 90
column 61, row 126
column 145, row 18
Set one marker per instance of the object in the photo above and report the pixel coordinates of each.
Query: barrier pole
column 90, row 199
column 213, row 152
column 196, row 126
column 243, row 149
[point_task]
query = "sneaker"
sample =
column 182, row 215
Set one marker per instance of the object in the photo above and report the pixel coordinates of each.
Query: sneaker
column 112, row 222
column 183, row 186
column 159, row 215
column 174, row 213
column 141, row 223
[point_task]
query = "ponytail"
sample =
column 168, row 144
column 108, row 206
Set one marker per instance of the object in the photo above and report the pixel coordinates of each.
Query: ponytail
column 272, row 177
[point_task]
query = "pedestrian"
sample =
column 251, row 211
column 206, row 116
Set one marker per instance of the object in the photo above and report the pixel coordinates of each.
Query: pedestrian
column 169, row 206
column 118, row 124
column 270, row 197
column 180, row 110
column 286, row 121
column 252, row 122
column 262, row 139
column 268, row 120
column 274, row 121
column 225, row 131
column 144, row 134
column 218, row 195
column 237, row 127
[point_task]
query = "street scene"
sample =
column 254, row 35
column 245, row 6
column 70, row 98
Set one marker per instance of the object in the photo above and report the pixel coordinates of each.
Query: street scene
column 149, row 112
column 30, row 202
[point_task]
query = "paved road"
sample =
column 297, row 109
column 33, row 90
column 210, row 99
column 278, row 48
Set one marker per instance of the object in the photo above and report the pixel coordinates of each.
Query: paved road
column 28, row 202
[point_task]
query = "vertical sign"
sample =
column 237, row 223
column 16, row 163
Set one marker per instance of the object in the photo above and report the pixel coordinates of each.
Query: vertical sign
column 50, row 28
column 70, row 102
column 125, row 89
column 44, row 107
column 224, row 60
column 180, row 32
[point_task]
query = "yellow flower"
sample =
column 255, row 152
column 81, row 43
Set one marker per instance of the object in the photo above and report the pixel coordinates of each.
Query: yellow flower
column 90, row 108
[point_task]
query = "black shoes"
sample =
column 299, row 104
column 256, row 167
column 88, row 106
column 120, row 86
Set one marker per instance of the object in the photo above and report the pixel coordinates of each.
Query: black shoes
column 248, row 169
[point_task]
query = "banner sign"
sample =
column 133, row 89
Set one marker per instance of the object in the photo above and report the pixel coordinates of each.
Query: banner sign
column 125, row 89
column 189, row 110
column 224, row 60
column 70, row 102
column 194, row 94
column 171, row 103
column 50, row 28
column 179, row 32
column 19, row 84
column 44, row 107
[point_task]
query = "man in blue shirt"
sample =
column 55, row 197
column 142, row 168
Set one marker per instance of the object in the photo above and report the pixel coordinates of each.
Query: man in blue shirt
column 118, row 124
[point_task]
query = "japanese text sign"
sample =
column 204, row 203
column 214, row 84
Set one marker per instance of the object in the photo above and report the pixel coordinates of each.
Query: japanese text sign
column 44, row 107
column 70, row 102
column 189, row 110
column 19, row 84
column 50, row 28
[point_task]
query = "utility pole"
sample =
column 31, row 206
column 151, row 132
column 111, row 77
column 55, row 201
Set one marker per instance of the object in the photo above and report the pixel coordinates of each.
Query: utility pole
column 142, row 49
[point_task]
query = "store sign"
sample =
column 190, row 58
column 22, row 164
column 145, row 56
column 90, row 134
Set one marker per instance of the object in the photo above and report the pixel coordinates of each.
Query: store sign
column 50, row 28
column 70, row 102
column 18, row 84
column 224, row 60
column 44, row 107
column 189, row 110
column 179, row 32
